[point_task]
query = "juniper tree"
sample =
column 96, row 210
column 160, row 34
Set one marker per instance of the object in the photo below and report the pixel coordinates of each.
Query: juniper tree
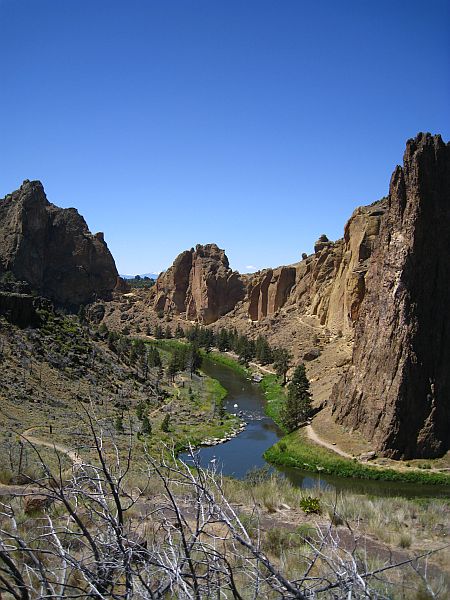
column 298, row 403
column 282, row 362
column 146, row 427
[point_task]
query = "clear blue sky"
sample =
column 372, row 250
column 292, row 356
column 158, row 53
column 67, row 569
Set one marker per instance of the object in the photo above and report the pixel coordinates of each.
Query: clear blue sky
column 254, row 124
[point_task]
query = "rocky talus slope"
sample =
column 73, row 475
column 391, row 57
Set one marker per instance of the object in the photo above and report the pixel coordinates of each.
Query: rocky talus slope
column 397, row 390
column 52, row 249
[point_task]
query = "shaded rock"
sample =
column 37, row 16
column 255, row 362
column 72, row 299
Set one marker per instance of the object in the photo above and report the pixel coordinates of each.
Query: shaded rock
column 397, row 389
column 311, row 354
column 122, row 286
column 366, row 456
column 21, row 309
column 95, row 313
column 52, row 249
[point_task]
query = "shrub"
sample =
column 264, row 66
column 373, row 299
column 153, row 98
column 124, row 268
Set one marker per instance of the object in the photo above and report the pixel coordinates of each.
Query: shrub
column 165, row 425
column 404, row 540
column 310, row 505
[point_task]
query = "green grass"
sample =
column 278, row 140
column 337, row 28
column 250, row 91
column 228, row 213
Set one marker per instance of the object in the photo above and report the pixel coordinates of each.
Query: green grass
column 217, row 357
column 295, row 450
column 275, row 395
column 215, row 391
column 168, row 345
column 227, row 361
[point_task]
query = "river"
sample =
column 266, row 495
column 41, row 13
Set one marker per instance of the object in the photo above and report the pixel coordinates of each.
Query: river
column 245, row 452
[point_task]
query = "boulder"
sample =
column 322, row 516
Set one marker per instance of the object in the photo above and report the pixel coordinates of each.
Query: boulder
column 311, row 354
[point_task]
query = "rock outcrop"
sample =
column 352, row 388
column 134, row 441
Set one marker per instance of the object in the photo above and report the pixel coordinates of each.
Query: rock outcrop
column 397, row 390
column 200, row 284
column 52, row 249
column 22, row 309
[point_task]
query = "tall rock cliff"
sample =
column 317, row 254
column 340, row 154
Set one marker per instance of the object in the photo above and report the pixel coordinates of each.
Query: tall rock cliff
column 397, row 390
column 200, row 284
column 52, row 249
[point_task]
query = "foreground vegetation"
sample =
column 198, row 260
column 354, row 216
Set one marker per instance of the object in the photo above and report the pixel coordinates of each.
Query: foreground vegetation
column 182, row 532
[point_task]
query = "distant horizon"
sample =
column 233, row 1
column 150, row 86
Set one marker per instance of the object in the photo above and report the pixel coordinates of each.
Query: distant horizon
column 257, row 126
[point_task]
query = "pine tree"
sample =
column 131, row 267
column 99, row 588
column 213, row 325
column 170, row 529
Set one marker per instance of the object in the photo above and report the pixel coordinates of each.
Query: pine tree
column 119, row 424
column 263, row 351
column 298, row 403
column 282, row 362
column 173, row 367
column 223, row 343
column 194, row 359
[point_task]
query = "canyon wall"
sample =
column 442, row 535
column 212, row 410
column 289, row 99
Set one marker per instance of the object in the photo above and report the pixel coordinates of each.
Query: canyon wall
column 328, row 284
column 385, row 284
column 52, row 249
column 397, row 390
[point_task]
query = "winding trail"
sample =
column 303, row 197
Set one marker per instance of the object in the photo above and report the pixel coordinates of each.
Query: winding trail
column 27, row 490
column 74, row 456
column 318, row 440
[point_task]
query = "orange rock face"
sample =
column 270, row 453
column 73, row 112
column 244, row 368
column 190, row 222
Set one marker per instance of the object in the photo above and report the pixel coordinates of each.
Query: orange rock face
column 200, row 284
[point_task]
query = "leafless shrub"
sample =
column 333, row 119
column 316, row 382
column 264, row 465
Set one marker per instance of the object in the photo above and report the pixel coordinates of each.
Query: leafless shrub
column 97, row 536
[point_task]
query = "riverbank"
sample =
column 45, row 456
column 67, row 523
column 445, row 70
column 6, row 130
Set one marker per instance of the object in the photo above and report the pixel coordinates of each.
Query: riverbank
column 199, row 396
column 298, row 450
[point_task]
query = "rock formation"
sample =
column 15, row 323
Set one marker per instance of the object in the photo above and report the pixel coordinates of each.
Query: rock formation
column 52, row 249
column 200, row 284
column 328, row 284
column 268, row 291
column 397, row 390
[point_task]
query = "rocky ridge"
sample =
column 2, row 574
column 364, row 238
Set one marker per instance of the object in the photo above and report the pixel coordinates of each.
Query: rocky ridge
column 329, row 284
column 52, row 249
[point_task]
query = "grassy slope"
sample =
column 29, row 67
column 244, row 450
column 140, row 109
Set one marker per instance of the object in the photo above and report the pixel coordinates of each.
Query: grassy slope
column 218, row 357
column 206, row 394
